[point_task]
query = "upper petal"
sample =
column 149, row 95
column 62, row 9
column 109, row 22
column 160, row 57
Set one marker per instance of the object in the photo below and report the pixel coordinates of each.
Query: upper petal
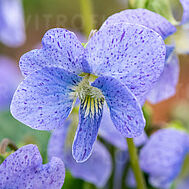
column 133, row 54
column 163, row 155
column 165, row 87
column 125, row 111
column 45, row 98
column 142, row 17
column 12, row 29
column 61, row 48
column 90, row 116
column 24, row 169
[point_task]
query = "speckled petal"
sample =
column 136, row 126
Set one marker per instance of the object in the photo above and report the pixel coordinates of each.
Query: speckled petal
column 163, row 155
column 61, row 48
column 23, row 169
column 185, row 16
column 90, row 170
column 90, row 116
column 142, row 17
column 166, row 85
column 131, row 53
column 109, row 132
column 12, row 30
column 45, row 98
column 125, row 111
column 9, row 79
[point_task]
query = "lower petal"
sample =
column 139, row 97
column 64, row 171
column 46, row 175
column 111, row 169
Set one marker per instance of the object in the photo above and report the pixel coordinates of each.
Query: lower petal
column 89, row 121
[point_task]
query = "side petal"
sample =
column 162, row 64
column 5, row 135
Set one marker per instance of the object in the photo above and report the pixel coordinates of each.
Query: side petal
column 61, row 48
column 12, row 29
column 125, row 111
column 45, row 98
column 90, row 116
column 166, row 85
column 142, row 17
column 163, row 155
column 133, row 54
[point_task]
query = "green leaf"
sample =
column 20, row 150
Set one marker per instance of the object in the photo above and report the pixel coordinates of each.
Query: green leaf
column 21, row 134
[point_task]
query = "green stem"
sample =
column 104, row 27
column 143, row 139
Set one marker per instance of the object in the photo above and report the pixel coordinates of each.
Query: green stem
column 87, row 16
column 135, row 164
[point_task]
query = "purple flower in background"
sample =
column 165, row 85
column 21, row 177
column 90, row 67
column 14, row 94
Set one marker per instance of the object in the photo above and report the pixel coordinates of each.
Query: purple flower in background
column 181, row 38
column 165, row 87
column 163, row 155
column 9, row 79
column 90, row 170
column 12, row 30
column 24, row 169
column 118, row 65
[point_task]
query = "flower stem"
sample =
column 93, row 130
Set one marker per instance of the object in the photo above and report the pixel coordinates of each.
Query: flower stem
column 135, row 164
column 87, row 16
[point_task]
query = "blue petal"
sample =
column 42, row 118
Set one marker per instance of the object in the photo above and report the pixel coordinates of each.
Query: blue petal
column 125, row 111
column 142, row 17
column 185, row 16
column 45, row 98
column 12, row 30
column 61, row 48
column 100, row 157
column 131, row 53
column 109, row 132
column 166, row 85
column 24, row 169
column 89, row 121
column 9, row 80
column 163, row 155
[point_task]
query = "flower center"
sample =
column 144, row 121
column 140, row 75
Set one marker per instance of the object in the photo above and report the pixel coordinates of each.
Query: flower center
column 84, row 89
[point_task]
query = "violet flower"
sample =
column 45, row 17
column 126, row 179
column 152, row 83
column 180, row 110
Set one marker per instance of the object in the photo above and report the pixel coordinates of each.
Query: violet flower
column 163, row 155
column 119, row 65
column 24, row 169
